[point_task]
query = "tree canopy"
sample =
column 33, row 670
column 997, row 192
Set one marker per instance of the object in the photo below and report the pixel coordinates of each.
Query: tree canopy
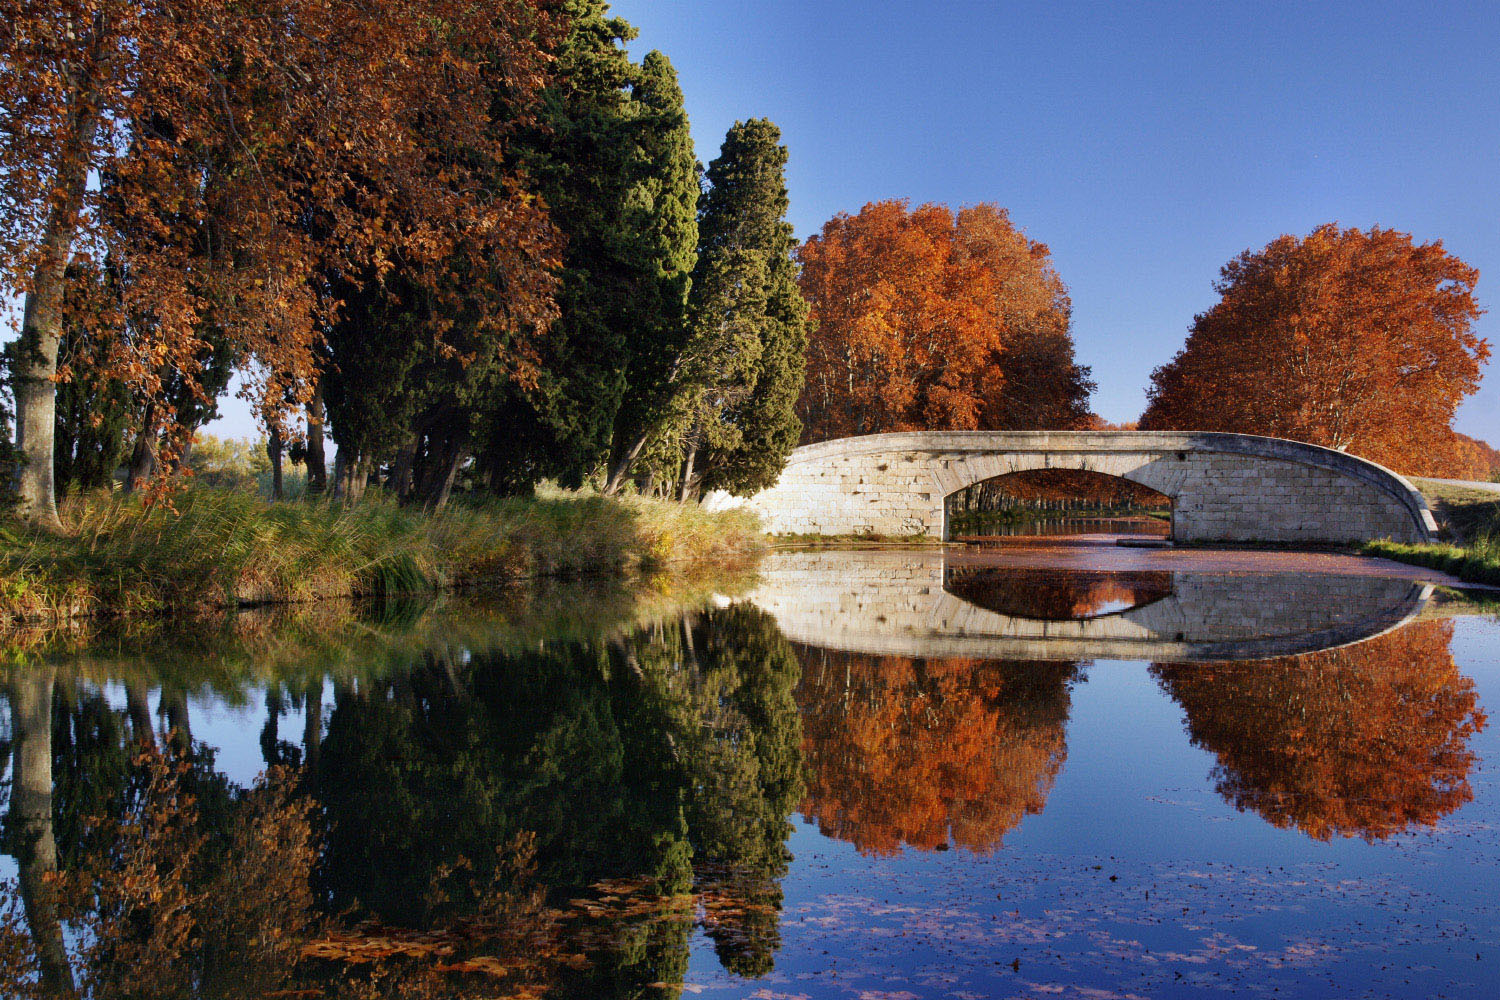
column 1359, row 340
column 929, row 319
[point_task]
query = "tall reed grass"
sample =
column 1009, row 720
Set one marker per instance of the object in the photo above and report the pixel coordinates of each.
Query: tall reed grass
column 223, row 548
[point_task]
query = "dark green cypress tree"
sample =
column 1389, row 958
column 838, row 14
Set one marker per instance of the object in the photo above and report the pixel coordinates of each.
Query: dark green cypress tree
column 745, row 366
column 581, row 159
column 662, row 211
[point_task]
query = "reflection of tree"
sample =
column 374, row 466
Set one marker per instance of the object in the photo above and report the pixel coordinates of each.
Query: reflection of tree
column 919, row 752
column 488, row 822
column 1369, row 740
column 744, row 776
column 628, row 758
column 29, row 830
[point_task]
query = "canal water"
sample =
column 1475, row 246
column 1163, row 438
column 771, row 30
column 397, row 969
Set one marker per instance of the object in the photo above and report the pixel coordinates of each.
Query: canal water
column 977, row 772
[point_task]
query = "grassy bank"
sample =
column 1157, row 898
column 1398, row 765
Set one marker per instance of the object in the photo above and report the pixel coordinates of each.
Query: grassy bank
column 226, row 548
column 1471, row 520
column 1477, row 562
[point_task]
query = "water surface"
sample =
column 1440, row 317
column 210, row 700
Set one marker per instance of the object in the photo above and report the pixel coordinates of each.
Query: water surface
column 972, row 773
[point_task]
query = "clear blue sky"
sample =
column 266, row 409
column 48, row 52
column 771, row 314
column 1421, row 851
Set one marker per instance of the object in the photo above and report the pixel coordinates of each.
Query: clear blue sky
column 1145, row 143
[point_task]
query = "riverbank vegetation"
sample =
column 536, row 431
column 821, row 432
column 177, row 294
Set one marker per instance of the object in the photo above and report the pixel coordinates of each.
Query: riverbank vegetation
column 214, row 548
column 1470, row 519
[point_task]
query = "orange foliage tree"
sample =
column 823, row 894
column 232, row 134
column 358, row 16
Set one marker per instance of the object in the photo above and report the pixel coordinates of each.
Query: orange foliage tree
column 1369, row 740
column 1474, row 459
column 929, row 319
column 918, row 752
column 1352, row 339
column 220, row 154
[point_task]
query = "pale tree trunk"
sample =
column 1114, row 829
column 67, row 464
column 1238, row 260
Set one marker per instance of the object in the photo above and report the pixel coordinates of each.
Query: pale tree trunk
column 621, row 469
column 356, row 476
column 689, row 482
column 317, row 471
column 41, row 325
column 31, row 824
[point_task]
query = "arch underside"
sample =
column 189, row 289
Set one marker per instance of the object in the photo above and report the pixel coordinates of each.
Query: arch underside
column 1223, row 487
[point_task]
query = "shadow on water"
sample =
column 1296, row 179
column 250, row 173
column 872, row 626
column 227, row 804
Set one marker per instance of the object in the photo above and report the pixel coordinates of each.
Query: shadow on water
column 555, row 791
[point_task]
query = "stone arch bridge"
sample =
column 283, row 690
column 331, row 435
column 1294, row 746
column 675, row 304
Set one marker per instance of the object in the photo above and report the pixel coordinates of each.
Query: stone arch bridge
column 1223, row 487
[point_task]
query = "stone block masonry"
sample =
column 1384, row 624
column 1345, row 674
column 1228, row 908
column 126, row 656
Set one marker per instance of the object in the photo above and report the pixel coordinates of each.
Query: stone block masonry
column 1223, row 487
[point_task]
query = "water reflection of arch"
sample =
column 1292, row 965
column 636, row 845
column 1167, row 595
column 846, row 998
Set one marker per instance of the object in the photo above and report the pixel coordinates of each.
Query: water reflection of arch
column 896, row 603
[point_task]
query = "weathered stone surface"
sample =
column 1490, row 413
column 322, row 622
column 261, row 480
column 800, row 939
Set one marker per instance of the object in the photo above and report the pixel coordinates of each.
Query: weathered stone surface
column 896, row 603
column 1224, row 487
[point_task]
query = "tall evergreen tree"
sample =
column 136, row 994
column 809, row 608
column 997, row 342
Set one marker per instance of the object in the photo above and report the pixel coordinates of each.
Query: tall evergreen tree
column 661, row 209
column 745, row 364
column 613, row 160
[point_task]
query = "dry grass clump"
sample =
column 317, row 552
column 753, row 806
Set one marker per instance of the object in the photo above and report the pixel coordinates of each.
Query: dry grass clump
column 222, row 548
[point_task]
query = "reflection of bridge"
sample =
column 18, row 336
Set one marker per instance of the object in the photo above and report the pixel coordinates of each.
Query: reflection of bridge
column 895, row 603
column 1224, row 487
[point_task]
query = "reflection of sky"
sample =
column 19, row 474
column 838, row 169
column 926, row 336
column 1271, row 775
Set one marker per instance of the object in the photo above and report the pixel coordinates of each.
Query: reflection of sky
column 1222, row 898
column 1137, row 879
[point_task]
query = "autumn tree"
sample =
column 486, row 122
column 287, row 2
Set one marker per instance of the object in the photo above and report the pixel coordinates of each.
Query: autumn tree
column 1353, row 339
column 1365, row 741
column 924, row 318
column 216, row 131
column 94, row 409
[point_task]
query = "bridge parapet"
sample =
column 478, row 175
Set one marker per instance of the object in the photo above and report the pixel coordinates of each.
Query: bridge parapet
column 1224, row 487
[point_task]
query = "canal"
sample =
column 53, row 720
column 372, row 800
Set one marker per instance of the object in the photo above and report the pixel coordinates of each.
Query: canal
column 1026, row 769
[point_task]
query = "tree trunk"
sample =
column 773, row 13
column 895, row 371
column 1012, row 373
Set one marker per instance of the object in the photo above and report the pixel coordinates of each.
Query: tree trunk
column 143, row 455
column 312, row 725
column 433, row 476
column 401, row 471
column 31, row 823
column 138, row 706
column 273, row 449
column 35, row 367
column 340, row 461
column 356, row 478
column 689, row 483
column 445, row 481
column 317, row 467
column 621, row 469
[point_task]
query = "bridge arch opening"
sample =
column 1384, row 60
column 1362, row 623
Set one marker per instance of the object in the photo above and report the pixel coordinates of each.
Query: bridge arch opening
column 1057, row 503
column 1055, row 595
